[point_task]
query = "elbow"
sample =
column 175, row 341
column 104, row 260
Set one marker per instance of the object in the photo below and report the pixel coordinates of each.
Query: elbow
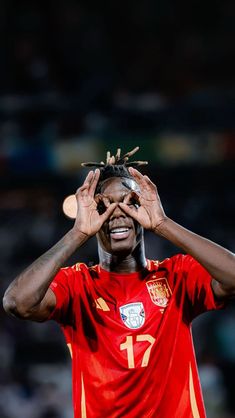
column 223, row 291
column 14, row 308
column 9, row 305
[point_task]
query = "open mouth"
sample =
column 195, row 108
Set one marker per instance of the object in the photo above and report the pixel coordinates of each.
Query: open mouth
column 121, row 232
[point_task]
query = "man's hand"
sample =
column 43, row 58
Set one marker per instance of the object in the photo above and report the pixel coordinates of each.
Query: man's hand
column 89, row 219
column 148, row 210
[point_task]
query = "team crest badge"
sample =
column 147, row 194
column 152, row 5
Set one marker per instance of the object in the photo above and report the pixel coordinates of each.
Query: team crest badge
column 159, row 291
column 133, row 315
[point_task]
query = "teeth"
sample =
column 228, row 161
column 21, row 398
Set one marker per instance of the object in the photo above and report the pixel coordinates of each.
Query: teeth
column 119, row 230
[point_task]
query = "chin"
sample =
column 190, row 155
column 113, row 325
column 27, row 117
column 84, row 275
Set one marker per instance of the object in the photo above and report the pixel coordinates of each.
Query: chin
column 121, row 248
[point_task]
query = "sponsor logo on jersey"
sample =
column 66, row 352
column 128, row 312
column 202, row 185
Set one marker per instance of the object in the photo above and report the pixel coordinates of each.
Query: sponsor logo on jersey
column 159, row 291
column 133, row 315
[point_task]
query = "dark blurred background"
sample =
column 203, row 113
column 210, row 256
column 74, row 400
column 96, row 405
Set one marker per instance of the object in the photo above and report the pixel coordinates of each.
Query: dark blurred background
column 78, row 78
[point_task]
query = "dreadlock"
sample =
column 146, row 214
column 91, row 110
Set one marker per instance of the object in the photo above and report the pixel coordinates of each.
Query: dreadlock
column 115, row 166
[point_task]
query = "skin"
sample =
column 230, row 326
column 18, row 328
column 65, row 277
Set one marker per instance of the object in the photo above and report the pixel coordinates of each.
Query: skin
column 126, row 203
column 121, row 255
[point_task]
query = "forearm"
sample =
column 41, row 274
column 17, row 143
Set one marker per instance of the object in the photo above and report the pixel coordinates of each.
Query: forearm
column 218, row 261
column 29, row 288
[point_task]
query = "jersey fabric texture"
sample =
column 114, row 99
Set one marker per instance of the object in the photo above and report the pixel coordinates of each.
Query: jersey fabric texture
column 130, row 338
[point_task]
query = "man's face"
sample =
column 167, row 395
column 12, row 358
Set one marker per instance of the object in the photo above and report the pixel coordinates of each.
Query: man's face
column 120, row 233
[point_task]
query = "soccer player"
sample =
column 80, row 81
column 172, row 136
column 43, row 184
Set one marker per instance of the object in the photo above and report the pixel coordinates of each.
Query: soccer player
column 127, row 321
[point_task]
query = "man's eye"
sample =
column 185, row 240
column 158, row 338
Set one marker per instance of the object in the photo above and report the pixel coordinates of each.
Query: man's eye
column 101, row 208
column 133, row 202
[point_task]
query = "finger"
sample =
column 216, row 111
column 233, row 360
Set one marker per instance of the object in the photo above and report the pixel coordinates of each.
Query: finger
column 134, row 172
column 149, row 181
column 137, row 175
column 83, row 187
column 143, row 181
column 98, row 197
column 132, row 212
column 94, row 182
column 89, row 177
column 108, row 212
column 86, row 182
column 140, row 176
column 102, row 198
column 106, row 201
column 83, row 190
column 132, row 196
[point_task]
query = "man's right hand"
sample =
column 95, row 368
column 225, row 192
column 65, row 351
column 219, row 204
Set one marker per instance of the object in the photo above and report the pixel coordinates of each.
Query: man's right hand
column 89, row 220
column 29, row 295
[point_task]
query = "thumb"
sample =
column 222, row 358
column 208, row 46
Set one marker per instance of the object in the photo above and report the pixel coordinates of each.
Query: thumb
column 108, row 212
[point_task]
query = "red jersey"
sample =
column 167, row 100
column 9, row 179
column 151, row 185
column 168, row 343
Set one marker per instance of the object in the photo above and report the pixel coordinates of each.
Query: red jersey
column 130, row 338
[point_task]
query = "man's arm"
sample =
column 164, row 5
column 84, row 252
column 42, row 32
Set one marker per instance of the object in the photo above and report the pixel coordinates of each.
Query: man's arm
column 218, row 261
column 29, row 296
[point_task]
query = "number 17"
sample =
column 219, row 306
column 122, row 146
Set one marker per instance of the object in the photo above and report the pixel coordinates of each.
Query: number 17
column 129, row 346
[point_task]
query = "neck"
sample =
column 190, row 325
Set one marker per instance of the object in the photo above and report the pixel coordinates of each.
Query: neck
column 123, row 263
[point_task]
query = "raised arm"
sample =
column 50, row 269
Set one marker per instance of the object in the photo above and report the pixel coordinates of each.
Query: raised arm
column 218, row 261
column 29, row 295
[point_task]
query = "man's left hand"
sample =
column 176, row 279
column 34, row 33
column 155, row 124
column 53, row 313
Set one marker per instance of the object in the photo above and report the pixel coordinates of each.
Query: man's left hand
column 148, row 210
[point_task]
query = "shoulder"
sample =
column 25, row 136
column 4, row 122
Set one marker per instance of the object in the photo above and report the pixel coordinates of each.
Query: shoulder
column 81, row 273
column 177, row 261
column 177, row 268
column 67, row 275
column 78, row 267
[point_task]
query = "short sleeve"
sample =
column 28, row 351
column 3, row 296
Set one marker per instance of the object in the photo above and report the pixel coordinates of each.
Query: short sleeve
column 62, row 286
column 197, row 285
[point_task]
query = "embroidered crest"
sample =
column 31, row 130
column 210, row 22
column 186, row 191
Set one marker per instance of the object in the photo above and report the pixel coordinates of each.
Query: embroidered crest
column 133, row 315
column 159, row 291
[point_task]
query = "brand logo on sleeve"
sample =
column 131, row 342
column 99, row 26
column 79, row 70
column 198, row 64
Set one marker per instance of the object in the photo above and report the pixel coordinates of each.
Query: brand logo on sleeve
column 159, row 291
column 133, row 315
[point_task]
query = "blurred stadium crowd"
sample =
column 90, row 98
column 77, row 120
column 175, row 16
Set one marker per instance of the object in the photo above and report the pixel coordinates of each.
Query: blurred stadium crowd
column 76, row 79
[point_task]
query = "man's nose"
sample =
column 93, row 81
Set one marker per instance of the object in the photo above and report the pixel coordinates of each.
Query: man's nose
column 118, row 213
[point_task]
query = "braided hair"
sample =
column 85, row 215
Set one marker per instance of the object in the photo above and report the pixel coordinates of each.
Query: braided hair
column 115, row 166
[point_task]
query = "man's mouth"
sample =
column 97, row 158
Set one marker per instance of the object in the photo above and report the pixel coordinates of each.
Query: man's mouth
column 120, row 232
